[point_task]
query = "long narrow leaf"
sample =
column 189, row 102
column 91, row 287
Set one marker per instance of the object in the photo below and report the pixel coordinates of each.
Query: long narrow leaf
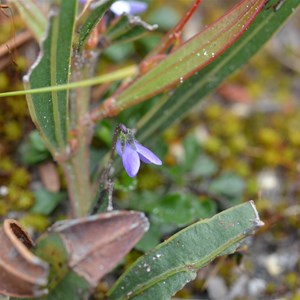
column 49, row 111
column 205, row 81
column 163, row 271
column 127, row 29
column 92, row 16
column 189, row 58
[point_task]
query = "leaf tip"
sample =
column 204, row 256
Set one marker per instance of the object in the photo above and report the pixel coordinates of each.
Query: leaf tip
column 257, row 222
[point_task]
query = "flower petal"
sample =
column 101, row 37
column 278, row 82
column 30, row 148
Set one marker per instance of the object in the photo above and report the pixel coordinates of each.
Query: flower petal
column 130, row 7
column 131, row 160
column 137, row 7
column 120, row 7
column 119, row 148
column 146, row 155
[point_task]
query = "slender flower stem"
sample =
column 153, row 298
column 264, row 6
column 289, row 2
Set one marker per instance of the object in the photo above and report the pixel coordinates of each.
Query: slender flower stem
column 113, row 76
column 103, row 173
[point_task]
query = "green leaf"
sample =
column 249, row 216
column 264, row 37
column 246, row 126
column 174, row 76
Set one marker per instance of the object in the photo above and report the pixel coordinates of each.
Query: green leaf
column 204, row 166
column 168, row 214
column 91, row 17
column 33, row 150
column 125, row 183
column 145, row 201
column 37, row 142
column 176, row 209
column 46, row 202
column 64, row 284
column 192, row 55
column 119, row 52
column 127, row 29
column 228, row 185
column 151, row 238
column 33, row 16
column 205, row 81
column 163, row 271
column 206, row 208
column 191, row 151
column 49, row 111
column 51, row 249
column 103, row 132
column 159, row 17
column 72, row 287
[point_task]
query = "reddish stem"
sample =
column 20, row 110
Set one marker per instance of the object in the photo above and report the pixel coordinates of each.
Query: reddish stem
column 174, row 33
column 158, row 54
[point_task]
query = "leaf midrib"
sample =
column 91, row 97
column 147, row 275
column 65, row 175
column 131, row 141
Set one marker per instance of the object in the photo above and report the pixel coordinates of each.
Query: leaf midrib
column 172, row 110
column 190, row 267
column 53, row 80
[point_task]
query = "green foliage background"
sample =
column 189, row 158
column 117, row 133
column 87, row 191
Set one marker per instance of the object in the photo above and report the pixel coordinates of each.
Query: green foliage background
column 218, row 156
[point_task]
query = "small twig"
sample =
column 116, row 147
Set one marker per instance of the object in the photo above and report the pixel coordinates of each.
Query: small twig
column 13, row 43
column 136, row 20
column 175, row 33
column 106, row 181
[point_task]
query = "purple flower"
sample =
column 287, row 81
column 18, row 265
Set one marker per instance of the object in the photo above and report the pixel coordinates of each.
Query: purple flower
column 132, row 152
column 125, row 7
column 128, row 7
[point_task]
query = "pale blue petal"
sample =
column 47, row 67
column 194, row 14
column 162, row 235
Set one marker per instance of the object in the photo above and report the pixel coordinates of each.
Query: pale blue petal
column 146, row 155
column 137, row 7
column 120, row 7
column 128, row 7
column 119, row 148
column 131, row 161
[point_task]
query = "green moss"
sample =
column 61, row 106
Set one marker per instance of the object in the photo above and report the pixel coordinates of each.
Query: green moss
column 292, row 280
column 20, row 177
column 269, row 137
column 3, row 208
column 4, row 82
column 12, row 130
column 36, row 221
column 18, row 198
column 213, row 145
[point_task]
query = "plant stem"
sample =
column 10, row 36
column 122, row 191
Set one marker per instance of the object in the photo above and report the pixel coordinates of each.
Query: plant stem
column 77, row 172
column 174, row 34
column 77, row 167
column 76, row 189
column 113, row 76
